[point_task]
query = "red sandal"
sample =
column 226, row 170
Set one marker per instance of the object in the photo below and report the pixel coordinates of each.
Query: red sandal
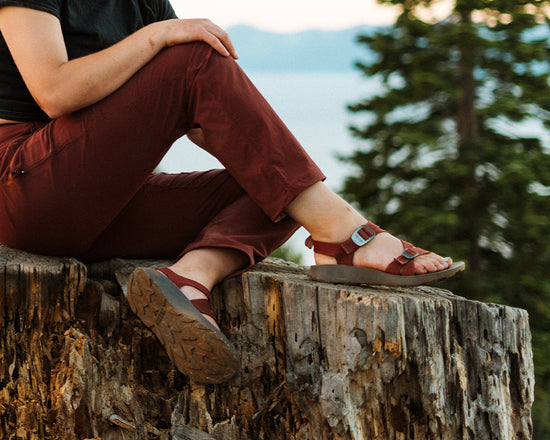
column 400, row 272
column 197, row 348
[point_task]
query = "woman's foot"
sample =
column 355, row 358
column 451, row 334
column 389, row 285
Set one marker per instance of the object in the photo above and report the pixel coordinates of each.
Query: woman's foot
column 382, row 250
column 193, row 294
column 196, row 346
column 197, row 294
column 207, row 267
column 373, row 256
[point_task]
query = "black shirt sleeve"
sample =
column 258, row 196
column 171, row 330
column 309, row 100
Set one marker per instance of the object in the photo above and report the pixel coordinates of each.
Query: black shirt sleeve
column 51, row 6
column 165, row 10
column 88, row 26
column 156, row 10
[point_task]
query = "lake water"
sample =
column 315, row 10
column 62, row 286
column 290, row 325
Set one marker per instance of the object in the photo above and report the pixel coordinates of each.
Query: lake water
column 313, row 106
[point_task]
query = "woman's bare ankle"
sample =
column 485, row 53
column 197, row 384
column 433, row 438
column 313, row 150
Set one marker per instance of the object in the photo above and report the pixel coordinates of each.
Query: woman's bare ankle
column 208, row 265
column 325, row 215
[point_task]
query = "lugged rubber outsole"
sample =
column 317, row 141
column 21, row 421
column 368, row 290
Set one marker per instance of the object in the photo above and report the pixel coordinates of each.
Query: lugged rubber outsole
column 196, row 347
column 342, row 274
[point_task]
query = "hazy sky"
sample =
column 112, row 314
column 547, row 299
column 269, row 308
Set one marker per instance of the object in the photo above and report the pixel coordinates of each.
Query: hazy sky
column 287, row 15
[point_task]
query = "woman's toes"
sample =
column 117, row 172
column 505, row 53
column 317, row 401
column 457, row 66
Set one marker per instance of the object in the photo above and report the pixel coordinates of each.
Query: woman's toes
column 431, row 263
column 441, row 263
column 423, row 269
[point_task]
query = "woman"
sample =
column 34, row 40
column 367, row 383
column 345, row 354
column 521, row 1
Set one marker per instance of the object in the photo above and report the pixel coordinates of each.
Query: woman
column 92, row 95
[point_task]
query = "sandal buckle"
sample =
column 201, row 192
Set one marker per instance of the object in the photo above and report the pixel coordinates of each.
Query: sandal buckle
column 358, row 239
column 409, row 254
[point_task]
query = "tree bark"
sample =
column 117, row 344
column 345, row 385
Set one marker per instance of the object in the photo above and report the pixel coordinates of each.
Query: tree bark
column 318, row 361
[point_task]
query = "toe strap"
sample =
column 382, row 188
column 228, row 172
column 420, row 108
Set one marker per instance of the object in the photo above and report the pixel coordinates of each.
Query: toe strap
column 404, row 263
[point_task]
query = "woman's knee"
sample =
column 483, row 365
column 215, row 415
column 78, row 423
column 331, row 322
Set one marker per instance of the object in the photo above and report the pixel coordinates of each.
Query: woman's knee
column 187, row 57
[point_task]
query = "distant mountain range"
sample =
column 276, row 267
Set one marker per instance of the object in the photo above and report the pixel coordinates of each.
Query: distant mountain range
column 312, row 50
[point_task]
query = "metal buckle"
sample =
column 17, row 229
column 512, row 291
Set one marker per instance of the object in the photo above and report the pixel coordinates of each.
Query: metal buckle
column 358, row 239
column 407, row 253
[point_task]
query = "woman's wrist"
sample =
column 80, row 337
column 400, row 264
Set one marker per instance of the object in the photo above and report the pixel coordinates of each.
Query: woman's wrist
column 158, row 34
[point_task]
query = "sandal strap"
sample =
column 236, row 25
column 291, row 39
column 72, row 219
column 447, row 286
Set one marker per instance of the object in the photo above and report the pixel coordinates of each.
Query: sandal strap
column 201, row 304
column 343, row 252
column 404, row 263
column 180, row 281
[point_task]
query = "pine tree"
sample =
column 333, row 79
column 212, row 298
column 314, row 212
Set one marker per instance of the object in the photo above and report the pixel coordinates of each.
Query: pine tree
column 448, row 161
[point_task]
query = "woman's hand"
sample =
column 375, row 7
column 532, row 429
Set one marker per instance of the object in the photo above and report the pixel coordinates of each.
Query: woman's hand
column 179, row 31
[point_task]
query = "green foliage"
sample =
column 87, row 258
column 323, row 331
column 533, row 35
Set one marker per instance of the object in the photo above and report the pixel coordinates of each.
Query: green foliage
column 286, row 252
column 444, row 163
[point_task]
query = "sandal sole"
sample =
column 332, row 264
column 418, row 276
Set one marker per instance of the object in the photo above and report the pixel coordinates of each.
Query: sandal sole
column 195, row 346
column 342, row 274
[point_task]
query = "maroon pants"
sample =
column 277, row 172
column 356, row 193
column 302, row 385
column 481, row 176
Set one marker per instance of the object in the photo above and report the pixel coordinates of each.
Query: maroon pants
column 83, row 185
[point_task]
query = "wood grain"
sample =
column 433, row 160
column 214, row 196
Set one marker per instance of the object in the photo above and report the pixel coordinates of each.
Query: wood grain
column 318, row 361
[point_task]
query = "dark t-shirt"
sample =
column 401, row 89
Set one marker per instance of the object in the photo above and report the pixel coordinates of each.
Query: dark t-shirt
column 88, row 26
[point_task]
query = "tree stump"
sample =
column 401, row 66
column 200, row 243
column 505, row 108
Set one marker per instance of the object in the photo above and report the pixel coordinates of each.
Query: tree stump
column 318, row 361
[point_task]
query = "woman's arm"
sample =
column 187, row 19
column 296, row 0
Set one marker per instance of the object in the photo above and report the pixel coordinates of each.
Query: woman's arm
column 60, row 86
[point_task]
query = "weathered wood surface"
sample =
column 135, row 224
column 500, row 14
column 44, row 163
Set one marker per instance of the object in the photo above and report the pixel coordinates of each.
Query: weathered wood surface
column 318, row 361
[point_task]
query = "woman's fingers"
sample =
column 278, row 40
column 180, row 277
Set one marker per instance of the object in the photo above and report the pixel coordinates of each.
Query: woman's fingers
column 224, row 39
column 201, row 29
column 219, row 44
